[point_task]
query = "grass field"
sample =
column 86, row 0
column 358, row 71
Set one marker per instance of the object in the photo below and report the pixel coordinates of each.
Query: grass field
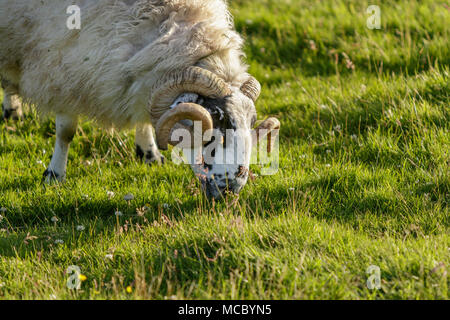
column 364, row 177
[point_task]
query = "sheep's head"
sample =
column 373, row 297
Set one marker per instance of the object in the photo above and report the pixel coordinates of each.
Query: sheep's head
column 213, row 122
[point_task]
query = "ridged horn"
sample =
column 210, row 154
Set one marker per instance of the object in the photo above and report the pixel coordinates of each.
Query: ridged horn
column 183, row 111
column 192, row 79
column 251, row 88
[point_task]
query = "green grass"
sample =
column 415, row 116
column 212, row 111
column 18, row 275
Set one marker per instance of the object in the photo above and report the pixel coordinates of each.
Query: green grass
column 364, row 177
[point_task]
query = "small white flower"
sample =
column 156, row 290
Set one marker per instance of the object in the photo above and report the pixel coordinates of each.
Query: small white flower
column 109, row 256
column 354, row 137
column 54, row 219
column 328, row 165
column 85, row 196
column 128, row 197
column 80, row 228
column 3, row 210
column 118, row 213
column 1, row 218
column 328, row 151
column 337, row 127
column 59, row 241
column 323, row 107
column 291, row 189
column 110, row 194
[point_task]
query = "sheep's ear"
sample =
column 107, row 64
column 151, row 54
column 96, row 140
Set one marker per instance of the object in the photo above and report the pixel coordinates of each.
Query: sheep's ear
column 251, row 88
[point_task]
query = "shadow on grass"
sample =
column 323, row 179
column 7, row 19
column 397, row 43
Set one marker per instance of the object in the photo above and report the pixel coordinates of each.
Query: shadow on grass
column 180, row 262
column 374, row 202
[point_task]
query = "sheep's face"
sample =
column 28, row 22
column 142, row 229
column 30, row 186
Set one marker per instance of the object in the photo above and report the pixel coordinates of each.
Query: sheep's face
column 225, row 160
column 215, row 134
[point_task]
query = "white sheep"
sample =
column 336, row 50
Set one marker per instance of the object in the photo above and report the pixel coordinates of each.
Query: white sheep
column 133, row 63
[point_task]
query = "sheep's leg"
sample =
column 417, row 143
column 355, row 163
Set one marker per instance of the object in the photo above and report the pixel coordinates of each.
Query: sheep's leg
column 12, row 105
column 146, row 148
column 66, row 127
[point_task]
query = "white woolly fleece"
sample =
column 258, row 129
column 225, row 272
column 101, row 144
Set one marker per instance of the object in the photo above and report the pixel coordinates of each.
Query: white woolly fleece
column 106, row 70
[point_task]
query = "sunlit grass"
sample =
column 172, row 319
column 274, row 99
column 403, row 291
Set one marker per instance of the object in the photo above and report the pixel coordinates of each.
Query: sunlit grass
column 364, row 177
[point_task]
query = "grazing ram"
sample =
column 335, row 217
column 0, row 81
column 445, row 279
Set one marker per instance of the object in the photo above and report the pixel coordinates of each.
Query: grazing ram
column 135, row 63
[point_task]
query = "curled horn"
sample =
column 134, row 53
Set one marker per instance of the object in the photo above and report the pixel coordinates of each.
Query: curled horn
column 183, row 111
column 191, row 79
column 251, row 88
column 266, row 128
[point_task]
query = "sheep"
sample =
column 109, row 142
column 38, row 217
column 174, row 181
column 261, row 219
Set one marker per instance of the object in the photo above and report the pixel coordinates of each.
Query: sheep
column 163, row 64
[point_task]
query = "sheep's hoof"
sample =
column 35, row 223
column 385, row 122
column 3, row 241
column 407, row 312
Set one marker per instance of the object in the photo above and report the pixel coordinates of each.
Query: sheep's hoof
column 150, row 157
column 51, row 177
column 157, row 159
column 13, row 114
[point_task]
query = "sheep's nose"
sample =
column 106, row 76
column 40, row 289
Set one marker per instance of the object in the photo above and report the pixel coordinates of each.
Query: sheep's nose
column 217, row 192
column 218, row 189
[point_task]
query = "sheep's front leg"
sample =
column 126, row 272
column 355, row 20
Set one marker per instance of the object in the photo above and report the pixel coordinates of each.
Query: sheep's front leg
column 12, row 105
column 146, row 148
column 66, row 127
